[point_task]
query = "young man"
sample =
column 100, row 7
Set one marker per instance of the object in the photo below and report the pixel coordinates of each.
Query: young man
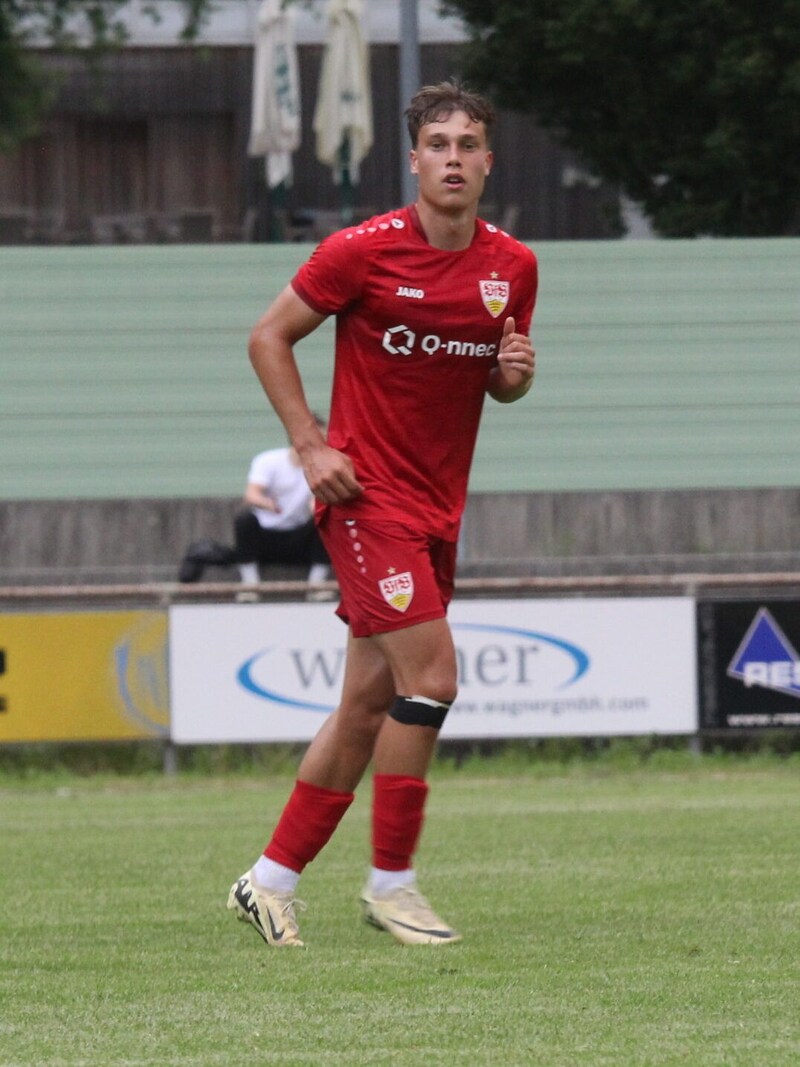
column 433, row 308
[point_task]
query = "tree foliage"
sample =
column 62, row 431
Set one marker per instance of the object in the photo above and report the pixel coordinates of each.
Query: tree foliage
column 692, row 108
column 22, row 93
column 96, row 26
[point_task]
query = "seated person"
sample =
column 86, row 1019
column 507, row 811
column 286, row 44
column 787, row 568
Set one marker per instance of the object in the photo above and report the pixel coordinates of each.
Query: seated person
column 278, row 525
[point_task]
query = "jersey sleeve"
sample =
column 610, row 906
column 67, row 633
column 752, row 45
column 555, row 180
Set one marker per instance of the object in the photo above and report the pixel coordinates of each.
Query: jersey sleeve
column 528, row 287
column 334, row 275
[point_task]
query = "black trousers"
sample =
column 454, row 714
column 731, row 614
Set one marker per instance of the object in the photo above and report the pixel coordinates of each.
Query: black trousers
column 254, row 544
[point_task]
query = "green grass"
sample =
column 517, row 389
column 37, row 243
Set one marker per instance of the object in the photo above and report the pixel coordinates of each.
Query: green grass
column 613, row 915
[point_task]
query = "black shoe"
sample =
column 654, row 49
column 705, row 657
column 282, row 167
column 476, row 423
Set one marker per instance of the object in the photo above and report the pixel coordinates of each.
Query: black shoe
column 191, row 571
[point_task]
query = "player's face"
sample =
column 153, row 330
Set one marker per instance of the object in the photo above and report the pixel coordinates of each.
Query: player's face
column 452, row 160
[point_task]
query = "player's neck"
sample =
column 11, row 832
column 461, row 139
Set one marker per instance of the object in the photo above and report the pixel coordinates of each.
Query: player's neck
column 451, row 232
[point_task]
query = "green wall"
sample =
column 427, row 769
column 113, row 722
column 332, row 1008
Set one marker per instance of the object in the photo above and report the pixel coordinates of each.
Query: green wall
column 662, row 364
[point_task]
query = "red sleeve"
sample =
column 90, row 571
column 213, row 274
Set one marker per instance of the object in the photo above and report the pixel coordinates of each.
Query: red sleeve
column 529, row 278
column 334, row 275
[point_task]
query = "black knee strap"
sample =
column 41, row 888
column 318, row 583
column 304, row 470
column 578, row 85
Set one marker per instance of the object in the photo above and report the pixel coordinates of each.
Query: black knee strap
column 419, row 711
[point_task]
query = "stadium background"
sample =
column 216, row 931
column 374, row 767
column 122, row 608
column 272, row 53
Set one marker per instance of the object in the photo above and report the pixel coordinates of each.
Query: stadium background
column 628, row 901
column 664, row 433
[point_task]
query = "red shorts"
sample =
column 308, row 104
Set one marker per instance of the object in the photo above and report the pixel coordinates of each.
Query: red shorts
column 389, row 576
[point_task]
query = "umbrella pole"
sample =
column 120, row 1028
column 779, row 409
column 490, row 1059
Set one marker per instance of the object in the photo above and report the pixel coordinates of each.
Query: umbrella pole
column 277, row 212
column 347, row 191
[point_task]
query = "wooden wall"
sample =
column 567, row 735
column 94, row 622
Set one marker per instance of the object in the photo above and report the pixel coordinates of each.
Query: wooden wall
column 149, row 135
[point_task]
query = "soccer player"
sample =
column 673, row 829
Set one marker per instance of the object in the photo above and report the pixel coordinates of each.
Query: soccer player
column 433, row 309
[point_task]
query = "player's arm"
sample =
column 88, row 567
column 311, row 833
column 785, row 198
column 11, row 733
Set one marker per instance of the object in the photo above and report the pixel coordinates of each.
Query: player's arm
column 256, row 496
column 516, row 361
column 329, row 473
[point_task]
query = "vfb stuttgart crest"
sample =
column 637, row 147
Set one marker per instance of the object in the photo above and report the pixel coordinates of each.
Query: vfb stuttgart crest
column 398, row 590
column 495, row 296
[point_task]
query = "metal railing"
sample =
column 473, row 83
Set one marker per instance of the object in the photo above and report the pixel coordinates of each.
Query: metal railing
column 165, row 593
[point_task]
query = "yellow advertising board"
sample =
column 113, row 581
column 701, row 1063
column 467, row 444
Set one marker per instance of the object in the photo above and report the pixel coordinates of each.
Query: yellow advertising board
column 84, row 676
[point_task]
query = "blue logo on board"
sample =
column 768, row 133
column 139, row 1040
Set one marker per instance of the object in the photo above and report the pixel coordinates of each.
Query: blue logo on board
column 496, row 655
column 766, row 657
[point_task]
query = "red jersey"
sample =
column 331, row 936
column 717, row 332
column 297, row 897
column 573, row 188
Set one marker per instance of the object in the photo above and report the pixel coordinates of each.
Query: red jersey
column 417, row 333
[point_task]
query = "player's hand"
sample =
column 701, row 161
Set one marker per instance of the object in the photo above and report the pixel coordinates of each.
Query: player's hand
column 513, row 375
column 516, row 359
column 331, row 476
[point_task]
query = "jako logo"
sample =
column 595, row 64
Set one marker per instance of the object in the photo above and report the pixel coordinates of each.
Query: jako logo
column 415, row 294
column 400, row 340
column 488, row 657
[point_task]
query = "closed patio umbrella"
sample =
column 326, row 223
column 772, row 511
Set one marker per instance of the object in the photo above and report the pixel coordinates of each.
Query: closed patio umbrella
column 275, row 121
column 343, row 114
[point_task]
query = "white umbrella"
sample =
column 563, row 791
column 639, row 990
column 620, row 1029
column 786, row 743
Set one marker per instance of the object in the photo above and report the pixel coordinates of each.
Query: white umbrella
column 275, row 124
column 343, row 115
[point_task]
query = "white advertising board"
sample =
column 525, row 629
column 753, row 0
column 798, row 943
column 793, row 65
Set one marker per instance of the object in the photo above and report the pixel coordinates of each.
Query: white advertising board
column 527, row 668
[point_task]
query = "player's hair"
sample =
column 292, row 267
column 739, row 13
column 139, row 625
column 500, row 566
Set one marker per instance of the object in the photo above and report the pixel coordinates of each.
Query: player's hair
column 435, row 103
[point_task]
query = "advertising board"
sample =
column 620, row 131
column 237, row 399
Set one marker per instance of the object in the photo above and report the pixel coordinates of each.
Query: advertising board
column 749, row 665
column 83, row 676
column 527, row 668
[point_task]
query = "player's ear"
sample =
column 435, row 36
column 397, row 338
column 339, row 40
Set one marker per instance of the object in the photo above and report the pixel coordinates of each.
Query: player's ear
column 412, row 156
column 489, row 163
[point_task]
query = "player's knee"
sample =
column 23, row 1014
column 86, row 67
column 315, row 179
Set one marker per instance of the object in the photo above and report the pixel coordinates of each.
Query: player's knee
column 438, row 684
column 420, row 711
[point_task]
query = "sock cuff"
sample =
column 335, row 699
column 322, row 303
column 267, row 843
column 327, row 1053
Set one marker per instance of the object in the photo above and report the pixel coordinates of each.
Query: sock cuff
column 320, row 793
column 398, row 781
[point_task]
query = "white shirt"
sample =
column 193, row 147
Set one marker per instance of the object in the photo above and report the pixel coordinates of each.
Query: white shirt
column 285, row 482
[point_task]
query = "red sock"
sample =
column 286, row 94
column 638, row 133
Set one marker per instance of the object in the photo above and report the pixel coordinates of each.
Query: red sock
column 398, row 804
column 306, row 825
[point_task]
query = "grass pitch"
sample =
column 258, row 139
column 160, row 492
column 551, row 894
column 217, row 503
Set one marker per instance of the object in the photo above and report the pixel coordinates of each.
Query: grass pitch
column 611, row 916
